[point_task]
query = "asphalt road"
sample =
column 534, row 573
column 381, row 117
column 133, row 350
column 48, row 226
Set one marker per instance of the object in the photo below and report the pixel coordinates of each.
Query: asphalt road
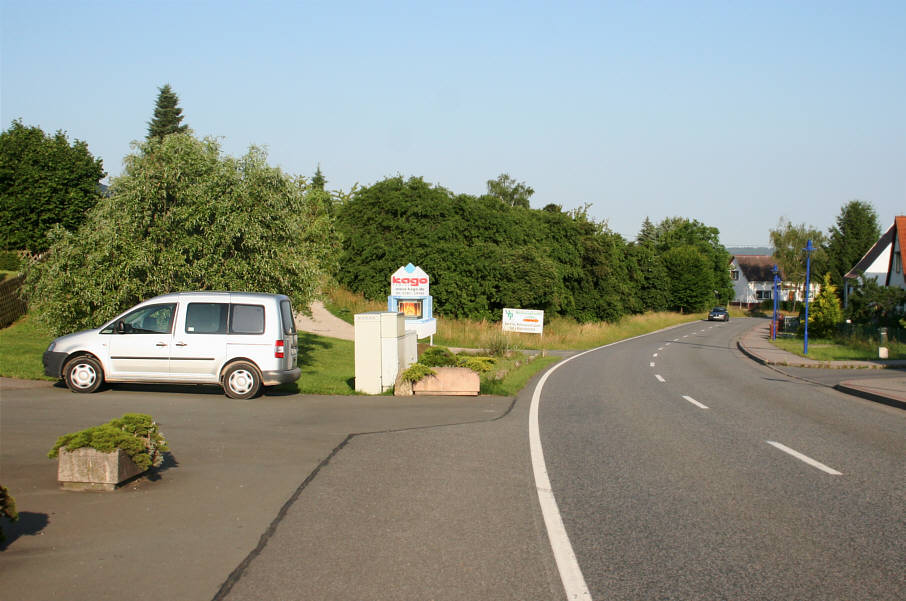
column 660, row 455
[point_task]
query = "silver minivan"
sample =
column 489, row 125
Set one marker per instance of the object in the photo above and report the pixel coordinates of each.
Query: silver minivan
column 239, row 340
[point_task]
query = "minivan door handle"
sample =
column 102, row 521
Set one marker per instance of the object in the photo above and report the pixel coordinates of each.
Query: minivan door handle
column 180, row 344
column 161, row 344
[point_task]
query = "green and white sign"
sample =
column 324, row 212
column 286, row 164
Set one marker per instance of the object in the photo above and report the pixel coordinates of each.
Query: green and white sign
column 528, row 321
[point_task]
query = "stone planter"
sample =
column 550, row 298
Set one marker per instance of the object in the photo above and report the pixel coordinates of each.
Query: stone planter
column 455, row 381
column 90, row 469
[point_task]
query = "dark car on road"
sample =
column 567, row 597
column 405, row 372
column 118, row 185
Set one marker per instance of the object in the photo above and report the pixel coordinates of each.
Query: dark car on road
column 719, row 314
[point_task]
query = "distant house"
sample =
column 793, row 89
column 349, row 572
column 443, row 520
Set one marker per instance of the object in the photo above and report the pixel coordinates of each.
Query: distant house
column 753, row 281
column 883, row 262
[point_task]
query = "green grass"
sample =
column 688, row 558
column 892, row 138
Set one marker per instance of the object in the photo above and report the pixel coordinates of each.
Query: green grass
column 516, row 377
column 22, row 346
column 824, row 349
column 328, row 365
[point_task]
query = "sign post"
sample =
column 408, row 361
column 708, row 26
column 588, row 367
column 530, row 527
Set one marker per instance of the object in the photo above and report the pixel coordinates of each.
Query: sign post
column 526, row 321
column 410, row 295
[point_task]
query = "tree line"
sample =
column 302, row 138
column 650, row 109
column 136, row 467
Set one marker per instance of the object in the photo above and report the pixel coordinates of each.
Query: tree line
column 493, row 251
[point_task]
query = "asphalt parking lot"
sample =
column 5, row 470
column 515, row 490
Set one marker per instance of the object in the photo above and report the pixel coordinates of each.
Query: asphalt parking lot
column 236, row 469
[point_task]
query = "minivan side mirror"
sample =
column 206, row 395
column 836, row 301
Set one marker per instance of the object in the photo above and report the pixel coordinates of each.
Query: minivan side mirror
column 120, row 327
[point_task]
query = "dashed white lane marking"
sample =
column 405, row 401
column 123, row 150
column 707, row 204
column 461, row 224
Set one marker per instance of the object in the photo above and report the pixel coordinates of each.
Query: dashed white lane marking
column 667, row 344
column 660, row 348
column 651, row 364
column 804, row 458
column 686, row 336
column 676, row 340
column 654, row 355
column 694, row 402
column 660, row 378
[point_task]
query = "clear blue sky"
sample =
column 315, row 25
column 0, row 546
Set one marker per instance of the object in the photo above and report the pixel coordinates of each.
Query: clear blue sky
column 732, row 113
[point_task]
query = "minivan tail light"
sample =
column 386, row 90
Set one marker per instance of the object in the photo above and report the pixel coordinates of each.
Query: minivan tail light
column 278, row 349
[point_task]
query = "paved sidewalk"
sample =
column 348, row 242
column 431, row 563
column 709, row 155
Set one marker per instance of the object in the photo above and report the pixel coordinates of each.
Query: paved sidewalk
column 323, row 323
column 890, row 390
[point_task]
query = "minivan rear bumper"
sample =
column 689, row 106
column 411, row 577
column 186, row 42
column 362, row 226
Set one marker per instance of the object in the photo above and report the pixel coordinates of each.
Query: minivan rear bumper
column 272, row 378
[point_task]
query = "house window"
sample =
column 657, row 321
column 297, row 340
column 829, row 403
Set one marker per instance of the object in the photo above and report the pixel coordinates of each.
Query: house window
column 762, row 295
column 734, row 274
column 897, row 262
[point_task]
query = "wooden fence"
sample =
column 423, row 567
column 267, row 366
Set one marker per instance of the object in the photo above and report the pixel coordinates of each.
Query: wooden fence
column 11, row 304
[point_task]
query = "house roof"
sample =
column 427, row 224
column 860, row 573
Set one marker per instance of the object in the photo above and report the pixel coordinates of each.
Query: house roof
column 756, row 268
column 898, row 229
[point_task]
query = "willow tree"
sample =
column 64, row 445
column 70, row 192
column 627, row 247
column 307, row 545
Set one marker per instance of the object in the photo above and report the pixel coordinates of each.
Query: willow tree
column 184, row 217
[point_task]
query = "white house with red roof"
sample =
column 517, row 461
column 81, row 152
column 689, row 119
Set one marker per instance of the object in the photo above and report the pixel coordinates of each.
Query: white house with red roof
column 884, row 261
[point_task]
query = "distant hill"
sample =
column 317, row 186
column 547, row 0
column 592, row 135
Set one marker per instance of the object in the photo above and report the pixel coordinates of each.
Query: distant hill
column 749, row 250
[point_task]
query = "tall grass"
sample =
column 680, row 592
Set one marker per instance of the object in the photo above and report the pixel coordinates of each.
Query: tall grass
column 560, row 333
column 345, row 304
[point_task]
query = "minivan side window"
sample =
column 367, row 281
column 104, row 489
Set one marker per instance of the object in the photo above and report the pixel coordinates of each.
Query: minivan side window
column 152, row 319
column 207, row 318
column 247, row 319
column 286, row 313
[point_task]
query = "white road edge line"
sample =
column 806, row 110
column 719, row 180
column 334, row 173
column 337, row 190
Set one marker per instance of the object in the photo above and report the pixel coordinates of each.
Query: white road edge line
column 694, row 402
column 804, row 458
column 660, row 378
column 567, row 565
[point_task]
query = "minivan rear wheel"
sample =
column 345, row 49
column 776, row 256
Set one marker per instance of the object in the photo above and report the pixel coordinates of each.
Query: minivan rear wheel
column 241, row 380
column 83, row 374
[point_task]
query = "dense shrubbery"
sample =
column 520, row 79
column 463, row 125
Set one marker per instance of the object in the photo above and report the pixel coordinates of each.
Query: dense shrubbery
column 484, row 254
column 184, row 217
column 44, row 181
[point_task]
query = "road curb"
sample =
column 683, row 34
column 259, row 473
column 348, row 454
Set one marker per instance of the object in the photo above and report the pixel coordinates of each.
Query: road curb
column 870, row 396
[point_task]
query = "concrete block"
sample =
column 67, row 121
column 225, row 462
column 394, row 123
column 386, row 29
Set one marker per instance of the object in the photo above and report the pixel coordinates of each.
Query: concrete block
column 90, row 469
column 454, row 381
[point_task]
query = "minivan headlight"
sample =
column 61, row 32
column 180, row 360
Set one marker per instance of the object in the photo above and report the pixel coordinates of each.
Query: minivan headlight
column 52, row 344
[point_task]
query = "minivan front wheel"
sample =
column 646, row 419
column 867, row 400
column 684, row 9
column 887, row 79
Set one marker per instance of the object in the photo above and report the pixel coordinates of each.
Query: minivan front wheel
column 83, row 374
column 241, row 380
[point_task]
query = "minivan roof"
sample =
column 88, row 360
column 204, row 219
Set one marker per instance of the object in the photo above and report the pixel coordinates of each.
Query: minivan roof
column 216, row 293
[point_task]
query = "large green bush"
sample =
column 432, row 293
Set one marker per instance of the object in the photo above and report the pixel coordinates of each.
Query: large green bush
column 489, row 252
column 184, row 217
column 482, row 254
column 44, row 181
column 825, row 313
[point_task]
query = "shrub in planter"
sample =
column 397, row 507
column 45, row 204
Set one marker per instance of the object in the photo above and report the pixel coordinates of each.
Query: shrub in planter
column 438, row 356
column 136, row 434
column 416, row 372
column 476, row 363
column 7, row 509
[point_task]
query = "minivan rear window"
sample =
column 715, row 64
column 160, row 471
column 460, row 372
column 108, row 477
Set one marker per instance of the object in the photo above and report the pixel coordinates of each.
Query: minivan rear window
column 247, row 319
column 286, row 313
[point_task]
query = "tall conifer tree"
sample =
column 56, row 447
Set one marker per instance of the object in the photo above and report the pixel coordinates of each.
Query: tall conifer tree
column 167, row 115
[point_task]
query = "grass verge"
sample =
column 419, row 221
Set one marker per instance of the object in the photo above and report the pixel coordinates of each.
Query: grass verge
column 824, row 349
column 22, row 345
